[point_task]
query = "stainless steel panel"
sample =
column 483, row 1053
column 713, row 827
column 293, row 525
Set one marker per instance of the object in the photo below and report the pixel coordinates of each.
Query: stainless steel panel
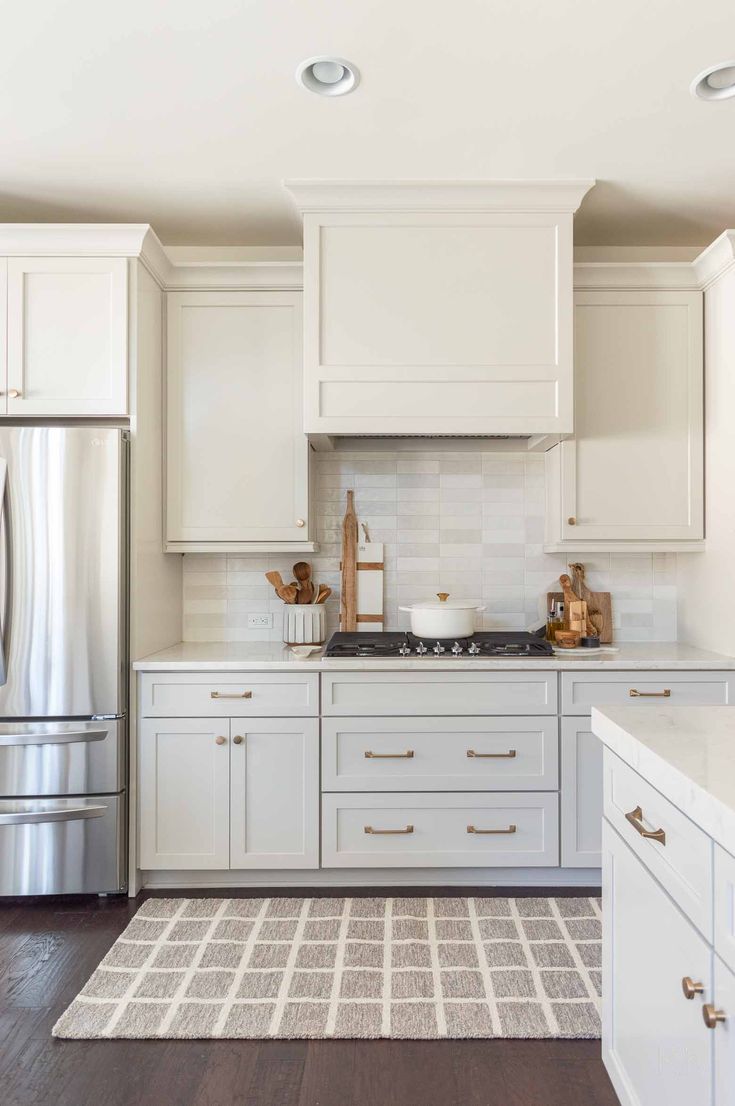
column 62, row 571
column 62, row 758
column 62, row 846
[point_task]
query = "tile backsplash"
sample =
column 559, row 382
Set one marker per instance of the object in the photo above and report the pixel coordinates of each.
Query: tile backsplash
column 469, row 523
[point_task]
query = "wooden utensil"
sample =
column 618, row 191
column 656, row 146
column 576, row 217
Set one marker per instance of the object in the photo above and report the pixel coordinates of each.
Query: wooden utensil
column 302, row 573
column 323, row 594
column 348, row 591
column 575, row 609
column 274, row 578
column 288, row 593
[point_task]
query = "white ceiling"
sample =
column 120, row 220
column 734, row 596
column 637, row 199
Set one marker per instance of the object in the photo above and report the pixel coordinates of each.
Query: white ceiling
column 185, row 113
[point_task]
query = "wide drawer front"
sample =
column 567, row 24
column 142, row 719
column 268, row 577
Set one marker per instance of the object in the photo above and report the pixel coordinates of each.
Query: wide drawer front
column 725, row 906
column 62, row 758
column 440, row 754
column 62, row 846
column 462, row 830
column 580, row 691
column 676, row 851
column 229, row 694
column 438, row 693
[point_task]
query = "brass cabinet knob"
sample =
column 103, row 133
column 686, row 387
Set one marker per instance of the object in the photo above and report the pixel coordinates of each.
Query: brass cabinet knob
column 572, row 520
column 712, row 1016
column 690, row 988
column 300, row 522
column 237, row 739
column 14, row 393
column 220, row 740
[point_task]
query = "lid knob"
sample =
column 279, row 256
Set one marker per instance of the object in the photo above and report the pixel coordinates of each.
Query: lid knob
column 442, row 596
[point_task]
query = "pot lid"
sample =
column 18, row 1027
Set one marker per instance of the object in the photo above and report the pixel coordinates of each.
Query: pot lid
column 444, row 603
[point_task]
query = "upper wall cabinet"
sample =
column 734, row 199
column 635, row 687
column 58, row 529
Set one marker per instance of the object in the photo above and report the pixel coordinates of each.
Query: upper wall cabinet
column 633, row 472
column 438, row 308
column 237, row 458
column 65, row 350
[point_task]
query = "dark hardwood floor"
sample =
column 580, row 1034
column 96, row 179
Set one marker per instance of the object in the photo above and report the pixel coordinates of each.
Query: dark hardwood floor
column 48, row 948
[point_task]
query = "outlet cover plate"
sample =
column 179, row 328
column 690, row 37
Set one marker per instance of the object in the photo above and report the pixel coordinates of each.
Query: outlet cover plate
column 260, row 622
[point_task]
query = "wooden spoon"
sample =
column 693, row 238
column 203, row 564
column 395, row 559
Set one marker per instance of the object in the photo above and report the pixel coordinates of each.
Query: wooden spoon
column 274, row 578
column 287, row 592
column 302, row 572
column 323, row 594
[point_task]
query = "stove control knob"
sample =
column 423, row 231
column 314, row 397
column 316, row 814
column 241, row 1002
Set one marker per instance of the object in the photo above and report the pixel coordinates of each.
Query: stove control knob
column 421, row 649
column 474, row 649
column 438, row 649
column 456, row 649
column 405, row 650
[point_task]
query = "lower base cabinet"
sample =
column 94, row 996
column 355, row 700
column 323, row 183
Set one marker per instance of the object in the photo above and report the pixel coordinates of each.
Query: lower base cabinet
column 229, row 793
column 656, row 1046
column 723, row 1000
column 581, row 788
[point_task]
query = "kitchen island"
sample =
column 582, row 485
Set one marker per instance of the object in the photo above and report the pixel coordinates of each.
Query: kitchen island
column 669, row 903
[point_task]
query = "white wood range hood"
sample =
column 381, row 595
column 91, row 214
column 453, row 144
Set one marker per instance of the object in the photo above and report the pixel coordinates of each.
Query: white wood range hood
column 438, row 307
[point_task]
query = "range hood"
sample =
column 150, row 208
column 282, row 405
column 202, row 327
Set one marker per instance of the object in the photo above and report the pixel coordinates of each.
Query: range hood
column 438, row 308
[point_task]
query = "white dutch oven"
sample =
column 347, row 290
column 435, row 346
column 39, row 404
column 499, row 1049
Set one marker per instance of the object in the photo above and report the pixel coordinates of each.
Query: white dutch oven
column 440, row 617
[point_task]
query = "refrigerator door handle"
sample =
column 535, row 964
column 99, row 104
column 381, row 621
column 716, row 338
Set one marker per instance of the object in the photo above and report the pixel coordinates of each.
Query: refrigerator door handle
column 61, row 814
column 50, row 738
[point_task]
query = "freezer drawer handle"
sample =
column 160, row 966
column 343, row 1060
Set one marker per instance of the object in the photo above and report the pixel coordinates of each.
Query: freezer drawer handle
column 69, row 814
column 225, row 695
column 51, row 738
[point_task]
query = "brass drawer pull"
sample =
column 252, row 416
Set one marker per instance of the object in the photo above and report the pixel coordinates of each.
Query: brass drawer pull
column 369, row 829
column 690, row 988
column 510, row 754
column 473, row 829
column 408, row 755
column 635, row 817
column 712, row 1016
column 234, row 695
column 636, row 694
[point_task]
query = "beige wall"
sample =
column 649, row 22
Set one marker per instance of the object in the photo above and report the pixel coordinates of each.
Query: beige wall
column 706, row 581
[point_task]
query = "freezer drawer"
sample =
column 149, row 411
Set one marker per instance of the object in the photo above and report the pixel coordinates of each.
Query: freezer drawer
column 62, row 846
column 61, row 758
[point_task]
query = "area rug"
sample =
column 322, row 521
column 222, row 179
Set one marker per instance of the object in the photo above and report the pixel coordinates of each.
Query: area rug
column 411, row 968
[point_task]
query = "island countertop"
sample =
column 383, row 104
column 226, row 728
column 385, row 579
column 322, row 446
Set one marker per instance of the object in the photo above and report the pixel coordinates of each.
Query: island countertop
column 210, row 656
column 686, row 753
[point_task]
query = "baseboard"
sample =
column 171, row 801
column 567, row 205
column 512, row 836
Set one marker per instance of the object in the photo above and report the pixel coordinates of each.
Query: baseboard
column 375, row 877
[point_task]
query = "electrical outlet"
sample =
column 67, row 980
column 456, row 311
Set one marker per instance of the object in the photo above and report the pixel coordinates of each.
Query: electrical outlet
column 260, row 622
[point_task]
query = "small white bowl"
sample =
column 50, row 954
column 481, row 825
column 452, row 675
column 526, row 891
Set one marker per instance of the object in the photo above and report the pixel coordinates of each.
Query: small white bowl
column 304, row 651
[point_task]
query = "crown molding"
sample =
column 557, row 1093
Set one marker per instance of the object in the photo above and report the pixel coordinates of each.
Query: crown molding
column 438, row 195
column 74, row 239
column 642, row 275
column 716, row 260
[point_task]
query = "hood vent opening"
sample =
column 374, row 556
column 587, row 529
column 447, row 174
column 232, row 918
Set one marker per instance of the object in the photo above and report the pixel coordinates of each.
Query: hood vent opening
column 406, row 443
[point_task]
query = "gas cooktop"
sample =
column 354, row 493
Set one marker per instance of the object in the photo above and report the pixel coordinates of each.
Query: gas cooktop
column 491, row 644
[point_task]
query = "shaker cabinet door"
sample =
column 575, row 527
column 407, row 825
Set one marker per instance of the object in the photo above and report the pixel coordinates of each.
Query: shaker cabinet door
column 67, row 340
column 581, row 784
column 237, row 456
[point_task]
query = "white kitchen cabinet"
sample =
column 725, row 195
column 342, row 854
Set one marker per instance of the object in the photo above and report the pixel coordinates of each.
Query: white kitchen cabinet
column 67, row 336
column 184, row 783
column 274, row 793
column 237, row 459
column 723, row 1001
column 581, row 784
column 656, row 1046
column 436, row 308
column 633, row 472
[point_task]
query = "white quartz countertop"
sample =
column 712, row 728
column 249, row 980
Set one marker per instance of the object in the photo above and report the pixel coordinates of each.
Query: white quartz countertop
column 191, row 656
column 686, row 753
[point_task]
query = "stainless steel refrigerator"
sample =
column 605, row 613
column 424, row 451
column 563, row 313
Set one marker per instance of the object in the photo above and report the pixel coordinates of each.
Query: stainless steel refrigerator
column 63, row 659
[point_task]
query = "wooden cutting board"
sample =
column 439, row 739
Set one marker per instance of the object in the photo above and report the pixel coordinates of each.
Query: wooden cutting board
column 348, row 589
column 370, row 586
column 596, row 601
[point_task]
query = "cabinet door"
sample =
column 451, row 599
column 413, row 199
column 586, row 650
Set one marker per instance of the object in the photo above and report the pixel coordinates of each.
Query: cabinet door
column 581, row 795
column 634, row 469
column 184, row 772
column 67, row 336
column 723, row 999
column 3, row 333
column 428, row 323
column 274, row 793
column 655, row 1044
column 237, row 457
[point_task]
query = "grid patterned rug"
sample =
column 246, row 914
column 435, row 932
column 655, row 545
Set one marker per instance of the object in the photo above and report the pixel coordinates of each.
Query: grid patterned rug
column 415, row 968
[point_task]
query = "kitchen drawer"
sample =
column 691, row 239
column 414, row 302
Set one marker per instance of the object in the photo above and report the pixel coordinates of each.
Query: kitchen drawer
column 439, row 692
column 440, row 754
column 440, row 831
column 725, row 906
column 682, row 862
column 580, row 691
column 229, row 694
column 62, row 758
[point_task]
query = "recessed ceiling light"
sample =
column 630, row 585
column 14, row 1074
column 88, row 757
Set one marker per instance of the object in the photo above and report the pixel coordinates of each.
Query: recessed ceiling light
column 717, row 82
column 328, row 76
